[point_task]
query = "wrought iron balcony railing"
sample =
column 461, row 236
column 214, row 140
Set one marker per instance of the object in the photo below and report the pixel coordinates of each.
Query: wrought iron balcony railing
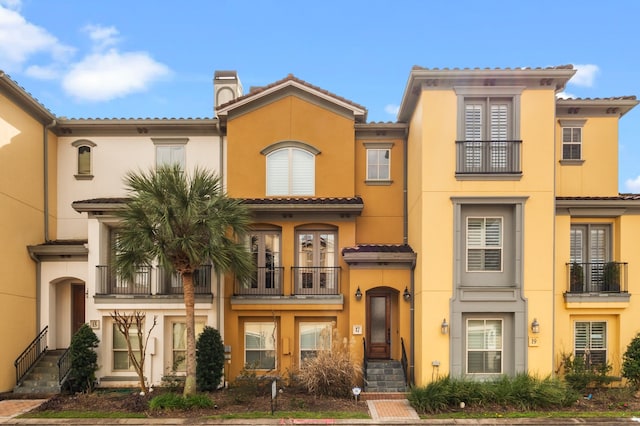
column 109, row 283
column 315, row 280
column 488, row 157
column 266, row 281
column 597, row 277
column 171, row 283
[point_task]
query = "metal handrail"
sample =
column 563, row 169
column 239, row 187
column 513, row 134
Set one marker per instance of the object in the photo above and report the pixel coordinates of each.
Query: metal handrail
column 405, row 363
column 364, row 361
column 64, row 366
column 28, row 358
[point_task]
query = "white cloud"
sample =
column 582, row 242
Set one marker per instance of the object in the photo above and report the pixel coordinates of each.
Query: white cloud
column 102, row 37
column 19, row 40
column 392, row 109
column 585, row 75
column 111, row 75
column 565, row 95
column 633, row 185
column 11, row 4
column 47, row 72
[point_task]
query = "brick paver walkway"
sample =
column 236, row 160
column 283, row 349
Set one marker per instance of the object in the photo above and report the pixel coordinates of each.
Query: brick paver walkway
column 13, row 407
column 387, row 409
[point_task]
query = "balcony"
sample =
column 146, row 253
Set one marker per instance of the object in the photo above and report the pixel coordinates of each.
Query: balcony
column 267, row 281
column 315, row 280
column 488, row 157
column 597, row 278
column 108, row 283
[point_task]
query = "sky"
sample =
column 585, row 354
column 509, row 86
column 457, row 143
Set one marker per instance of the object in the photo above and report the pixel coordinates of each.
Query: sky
column 156, row 58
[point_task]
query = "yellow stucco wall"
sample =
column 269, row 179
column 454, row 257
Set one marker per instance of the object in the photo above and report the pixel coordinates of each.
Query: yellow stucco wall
column 21, row 224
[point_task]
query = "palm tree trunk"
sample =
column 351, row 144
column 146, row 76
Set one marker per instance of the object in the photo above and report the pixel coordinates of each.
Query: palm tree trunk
column 189, row 303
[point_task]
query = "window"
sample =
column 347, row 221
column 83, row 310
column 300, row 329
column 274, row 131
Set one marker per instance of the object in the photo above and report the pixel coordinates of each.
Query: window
column 121, row 359
column 571, row 143
column 265, row 250
column 589, row 255
column 179, row 344
column 484, row 346
column 170, row 151
column 591, row 342
column 316, row 262
column 486, row 131
column 290, row 171
column 378, row 164
column 484, row 244
column 84, row 148
column 314, row 337
column 260, row 345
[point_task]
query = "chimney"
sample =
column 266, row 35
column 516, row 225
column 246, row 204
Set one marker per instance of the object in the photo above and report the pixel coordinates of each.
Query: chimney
column 226, row 87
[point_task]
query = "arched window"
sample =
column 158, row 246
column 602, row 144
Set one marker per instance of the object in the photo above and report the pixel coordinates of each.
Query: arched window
column 291, row 170
column 84, row 170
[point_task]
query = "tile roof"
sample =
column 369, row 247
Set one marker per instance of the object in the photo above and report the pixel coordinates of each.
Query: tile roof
column 557, row 67
column 304, row 200
column 378, row 248
column 620, row 197
column 289, row 77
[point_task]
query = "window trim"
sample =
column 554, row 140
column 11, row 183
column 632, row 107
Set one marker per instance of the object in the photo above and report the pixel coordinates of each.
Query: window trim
column 171, row 143
column 261, row 254
column 484, row 247
column 133, row 331
column 275, row 344
column 84, row 143
column 290, row 148
column 378, row 146
column 328, row 324
column 173, row 350
column 590, row 335
column 316, row 258
column 484, row 350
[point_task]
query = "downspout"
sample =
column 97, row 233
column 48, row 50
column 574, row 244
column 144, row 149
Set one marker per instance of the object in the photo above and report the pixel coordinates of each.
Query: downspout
column 405, row 240
column 219, row 286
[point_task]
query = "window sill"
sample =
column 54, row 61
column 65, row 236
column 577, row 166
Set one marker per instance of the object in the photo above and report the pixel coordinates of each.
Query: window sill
column 378, row 182
column 571, row 162
column 489, row 176
column 83, row 177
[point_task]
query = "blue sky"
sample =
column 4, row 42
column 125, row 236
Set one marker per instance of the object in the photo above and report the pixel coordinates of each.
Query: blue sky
column 143, row 58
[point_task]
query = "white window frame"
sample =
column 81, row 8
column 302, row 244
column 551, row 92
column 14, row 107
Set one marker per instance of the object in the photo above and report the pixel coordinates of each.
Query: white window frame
column 171, row 151
column 181, row 366
column 484, row 245
column 84, row 165
column 290, row 171
column 377, row 170
column 322, row 331
column 269, row 343
column 592, row 339
column 133, row 337
column 490, row 345
column 575, row 129
column 316, row 258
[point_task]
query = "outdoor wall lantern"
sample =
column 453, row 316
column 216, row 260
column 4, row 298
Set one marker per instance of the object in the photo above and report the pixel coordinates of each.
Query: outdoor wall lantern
column 444, row 327
column 358, row 294
column 406, row 295
column 535, row 326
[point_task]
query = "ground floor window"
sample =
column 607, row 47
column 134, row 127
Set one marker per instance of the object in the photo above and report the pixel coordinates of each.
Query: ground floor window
column 591, row 341
column 121, row 359
column 314, row 337
column 260, row 345
column 484, row 346
column 179, row 344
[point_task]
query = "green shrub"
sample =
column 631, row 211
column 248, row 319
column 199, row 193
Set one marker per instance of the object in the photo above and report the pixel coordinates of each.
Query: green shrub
column 209, row 359
column 581, row 375
column 174, row 401
column 84, row 360
column 631, row 362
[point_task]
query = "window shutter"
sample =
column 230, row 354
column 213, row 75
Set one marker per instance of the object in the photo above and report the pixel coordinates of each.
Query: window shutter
column 499, row 123
column 598, row 335
column 577, row 243
column 278, row 173
column 473, row 122
column 303, row 173
column 582, row 336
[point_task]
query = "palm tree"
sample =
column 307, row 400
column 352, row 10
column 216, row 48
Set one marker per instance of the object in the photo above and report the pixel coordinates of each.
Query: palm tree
column 182, row 222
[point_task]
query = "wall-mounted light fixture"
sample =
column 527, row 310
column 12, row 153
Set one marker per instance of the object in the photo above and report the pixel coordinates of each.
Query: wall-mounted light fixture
column 444, row 327
column 358, row 294
column 535, row 326
column 406, row 295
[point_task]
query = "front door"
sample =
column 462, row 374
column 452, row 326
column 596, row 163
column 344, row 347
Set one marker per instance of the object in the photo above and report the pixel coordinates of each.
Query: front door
column 77, row 309
column 378, row 325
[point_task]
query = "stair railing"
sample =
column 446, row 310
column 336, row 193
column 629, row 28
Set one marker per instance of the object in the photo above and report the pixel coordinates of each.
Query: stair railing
column 405, row 363
column 364, row 361
column 28, row 358
column 64, row 366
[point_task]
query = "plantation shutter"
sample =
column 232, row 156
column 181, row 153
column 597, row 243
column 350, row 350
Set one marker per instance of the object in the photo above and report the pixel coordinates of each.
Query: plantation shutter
column 474, row 244
column 278, row 172
column 577, row 244
column 303, row 173
column 473, row 122
column 499, row 122
column 484, row 244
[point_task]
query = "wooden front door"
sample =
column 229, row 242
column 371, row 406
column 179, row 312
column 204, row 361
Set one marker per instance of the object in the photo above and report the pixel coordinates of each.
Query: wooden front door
column 77, row 307
column 378, row 325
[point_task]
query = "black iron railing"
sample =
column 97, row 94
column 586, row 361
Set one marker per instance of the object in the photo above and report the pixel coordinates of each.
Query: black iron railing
column 316, row 280
column 364, row 361
column 171, row 283
column 490, row 157
column 109, row 283
column 405, row 363
column 266, row 281
column 597, row 277
column 28, row 358
column 64, row 366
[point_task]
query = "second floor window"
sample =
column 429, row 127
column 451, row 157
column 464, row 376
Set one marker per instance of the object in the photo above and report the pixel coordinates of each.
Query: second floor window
column 84, row 150
column 265, row 250
column 484, row 244
column 169, row 155
column 590, row 252
column 571, row 143
column 378, row 164
column 316, row 265
column 290, row 171
column 487, row 129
